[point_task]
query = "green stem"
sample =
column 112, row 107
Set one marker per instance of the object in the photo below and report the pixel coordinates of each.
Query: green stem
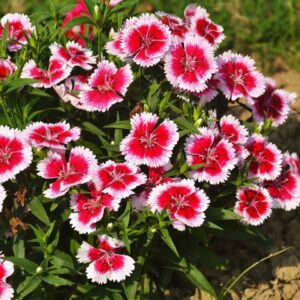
column 231, row 283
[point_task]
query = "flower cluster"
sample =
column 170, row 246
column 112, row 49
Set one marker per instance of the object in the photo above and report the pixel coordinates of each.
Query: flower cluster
column 211, row 153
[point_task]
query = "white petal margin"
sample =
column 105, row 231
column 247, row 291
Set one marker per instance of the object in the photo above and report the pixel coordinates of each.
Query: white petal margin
column 8, row 291
column 112, row 275
column 83, row 253
column 2, row 197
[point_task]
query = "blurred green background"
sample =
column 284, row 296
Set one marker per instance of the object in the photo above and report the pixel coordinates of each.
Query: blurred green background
column 268, row 30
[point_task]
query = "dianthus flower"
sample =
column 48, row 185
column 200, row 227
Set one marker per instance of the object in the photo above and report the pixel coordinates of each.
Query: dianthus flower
column 273, row 103
column 239, row 77
column 74, row 55
column 146, row 41
column 6, row 68
column 189, row 65
column 285, row 189
column 254, row 205
column 90, row 209
column 118, row 179
column 6, row 270
column 19, row 26
column 265, row 158
column 77, row 170
column 104, row 262
column 57, row 72
column 202, row 26
column 51, row 135
column 215, row 156
column 237, row 134
column 107, row 86
column 15, row 153
column 184, row 202
column 149, row 142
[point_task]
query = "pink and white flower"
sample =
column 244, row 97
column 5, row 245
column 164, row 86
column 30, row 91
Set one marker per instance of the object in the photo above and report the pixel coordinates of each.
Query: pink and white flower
column 51, row 135
column 238, row 77
column 104, row 262
column 285, row 189
column 74, row 55
column 215, row 156
column 6, row 68
column 191, row 10
column 147, row 41
column 209, row 93
column 184, row 202
column 265, row 158
column 107, row 86
column 57, row 72
column 294, row 162
column 155, row 177
column 237, row 134
column 190, row 64
column 118, row 179
column 19, row 26
column 273, row 103
column 202, row 26
column 112, row 3
column 175, row 24
column 69, row 91
column 254, row 205
column 6, row 270
column 114, row 46
column 89, row 210
column 149, row 143
column 77, row 170
column 2, row 197
column 15, row 153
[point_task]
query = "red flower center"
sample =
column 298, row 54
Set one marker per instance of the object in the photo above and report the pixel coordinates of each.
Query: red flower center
column 148, row 140
column 5, row 155
column 190, row 63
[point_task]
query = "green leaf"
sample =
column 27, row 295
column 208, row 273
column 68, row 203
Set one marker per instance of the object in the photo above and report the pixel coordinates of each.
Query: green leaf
column 123, row 5
column 210, row 259
column 18, row 83
column 183, row 123
column 213, row 226
column 78, row 21
column 38, row 210
column 23, row 263
column 36, row 113
column 56, row 280
column 214, row 213
column 19, row 248
column 125, row 124
column 62, row 259
column 165, row 236
column 90, row 6
column 195, row 276
column 93, row 129
column 40, row 93
column 28, row 286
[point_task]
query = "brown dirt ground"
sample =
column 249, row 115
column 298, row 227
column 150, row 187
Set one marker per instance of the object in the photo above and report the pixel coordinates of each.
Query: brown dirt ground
column 279, row 277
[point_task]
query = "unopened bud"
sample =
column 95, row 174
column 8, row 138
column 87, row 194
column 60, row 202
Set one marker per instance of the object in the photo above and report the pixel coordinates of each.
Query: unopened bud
column 39, row 270
column 110, row 227
column 96, row 10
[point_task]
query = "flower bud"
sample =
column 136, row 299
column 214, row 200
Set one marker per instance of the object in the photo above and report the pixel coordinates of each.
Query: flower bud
column 39, row 270
column 110, row 227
